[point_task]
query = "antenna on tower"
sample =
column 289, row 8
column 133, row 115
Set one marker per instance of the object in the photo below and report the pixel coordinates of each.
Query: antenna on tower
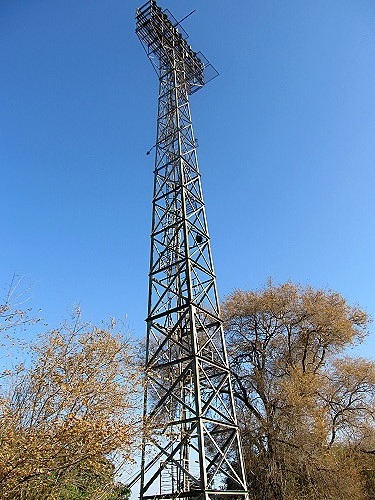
column 183, row 19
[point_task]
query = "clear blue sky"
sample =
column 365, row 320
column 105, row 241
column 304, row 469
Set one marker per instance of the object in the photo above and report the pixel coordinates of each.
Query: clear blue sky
column 286, row 148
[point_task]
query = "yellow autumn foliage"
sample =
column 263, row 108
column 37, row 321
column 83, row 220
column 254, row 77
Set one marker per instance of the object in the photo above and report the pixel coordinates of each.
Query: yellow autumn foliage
column 306, row 411
column 76, row 403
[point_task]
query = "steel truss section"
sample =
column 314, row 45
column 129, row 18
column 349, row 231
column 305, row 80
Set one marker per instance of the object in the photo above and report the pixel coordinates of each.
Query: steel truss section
column 194, row 448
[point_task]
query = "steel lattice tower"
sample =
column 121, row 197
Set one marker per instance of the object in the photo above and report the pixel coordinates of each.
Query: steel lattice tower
column 196, row 450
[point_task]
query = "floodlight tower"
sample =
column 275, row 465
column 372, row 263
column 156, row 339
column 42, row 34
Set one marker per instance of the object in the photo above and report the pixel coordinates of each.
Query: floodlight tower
column 195, row 451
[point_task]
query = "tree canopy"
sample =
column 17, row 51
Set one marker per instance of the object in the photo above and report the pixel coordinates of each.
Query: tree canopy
column 70, row 408
column 306, row 409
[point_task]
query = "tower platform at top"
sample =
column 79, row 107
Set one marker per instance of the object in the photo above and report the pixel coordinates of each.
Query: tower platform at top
column 166, row 46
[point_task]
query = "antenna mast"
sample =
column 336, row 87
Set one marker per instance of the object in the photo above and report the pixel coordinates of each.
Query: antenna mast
column 195, row 451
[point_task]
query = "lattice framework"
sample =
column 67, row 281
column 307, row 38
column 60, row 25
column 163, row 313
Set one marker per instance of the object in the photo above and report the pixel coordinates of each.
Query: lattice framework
column 196, row 449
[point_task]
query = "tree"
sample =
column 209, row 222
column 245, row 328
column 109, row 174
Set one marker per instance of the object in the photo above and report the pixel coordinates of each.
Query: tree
column 80, row 483
column 306, row 413
column 74, row 405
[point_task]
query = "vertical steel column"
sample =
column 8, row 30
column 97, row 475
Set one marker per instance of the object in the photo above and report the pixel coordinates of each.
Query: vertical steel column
column 194, row 448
